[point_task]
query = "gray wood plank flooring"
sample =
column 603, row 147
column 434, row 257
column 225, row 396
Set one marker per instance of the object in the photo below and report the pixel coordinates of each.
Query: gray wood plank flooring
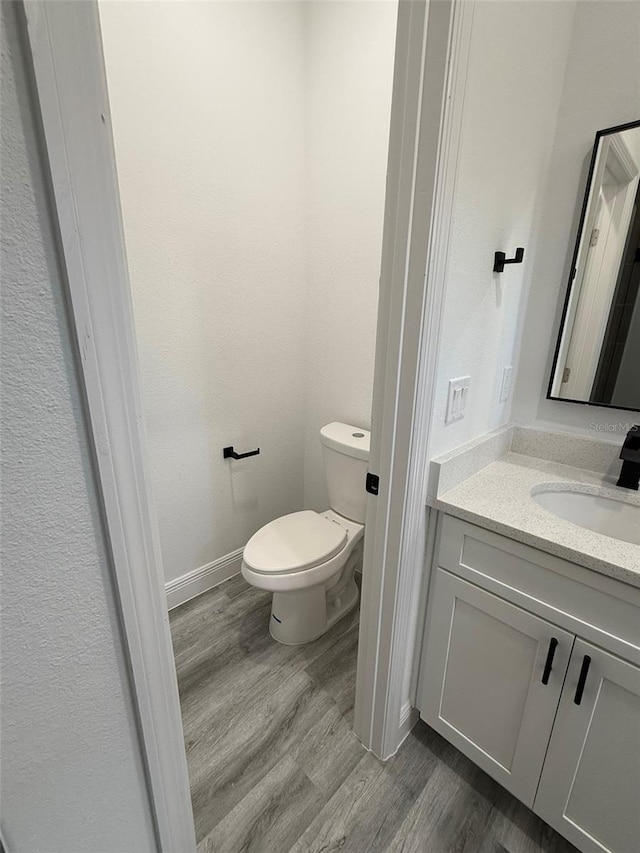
column 275, row 767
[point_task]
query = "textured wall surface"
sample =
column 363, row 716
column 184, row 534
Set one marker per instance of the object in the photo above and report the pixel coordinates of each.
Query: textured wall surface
column 350, row 52
column 601, row 89
column 510, row 111
column 208, row 113
column 251, row 141
column 72, row 779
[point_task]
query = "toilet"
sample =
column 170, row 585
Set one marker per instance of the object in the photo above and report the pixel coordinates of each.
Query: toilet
column 308, row 559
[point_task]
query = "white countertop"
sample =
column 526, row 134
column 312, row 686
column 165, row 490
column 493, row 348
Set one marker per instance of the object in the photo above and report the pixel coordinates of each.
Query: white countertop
column 499, row 498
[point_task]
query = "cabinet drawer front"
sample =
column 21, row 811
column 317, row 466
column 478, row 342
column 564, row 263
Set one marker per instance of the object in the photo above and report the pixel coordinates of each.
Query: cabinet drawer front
column 481, row 680
column 594, row 606
column 590, row 786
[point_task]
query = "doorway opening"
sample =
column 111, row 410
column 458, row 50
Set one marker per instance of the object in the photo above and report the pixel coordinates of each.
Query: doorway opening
column 251, row 148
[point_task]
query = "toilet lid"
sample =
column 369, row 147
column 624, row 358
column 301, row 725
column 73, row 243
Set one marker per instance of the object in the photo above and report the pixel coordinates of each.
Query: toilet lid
column 293, row 542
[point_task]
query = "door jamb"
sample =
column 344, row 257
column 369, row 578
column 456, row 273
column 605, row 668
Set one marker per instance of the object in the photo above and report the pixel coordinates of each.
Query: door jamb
column 433, row 46
column 70, row 82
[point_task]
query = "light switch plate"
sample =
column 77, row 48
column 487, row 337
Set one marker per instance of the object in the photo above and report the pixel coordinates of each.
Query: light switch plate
column 457, row 399
column 505, row 387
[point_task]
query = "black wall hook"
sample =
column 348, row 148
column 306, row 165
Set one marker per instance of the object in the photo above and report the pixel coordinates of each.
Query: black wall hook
column 500, row 259
column 229, row 453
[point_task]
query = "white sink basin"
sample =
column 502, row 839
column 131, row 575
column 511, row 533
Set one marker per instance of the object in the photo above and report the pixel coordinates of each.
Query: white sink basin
column 600, row 513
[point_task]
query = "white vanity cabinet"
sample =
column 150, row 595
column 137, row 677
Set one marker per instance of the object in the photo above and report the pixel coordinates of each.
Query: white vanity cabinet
column 484, row 684
column 531, row 667
column 590, row 785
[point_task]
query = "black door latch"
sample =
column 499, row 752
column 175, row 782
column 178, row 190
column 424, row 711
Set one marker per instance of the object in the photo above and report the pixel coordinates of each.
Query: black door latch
column 372, row 484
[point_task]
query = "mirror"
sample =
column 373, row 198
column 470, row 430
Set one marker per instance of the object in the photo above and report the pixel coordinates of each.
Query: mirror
column 597, row 358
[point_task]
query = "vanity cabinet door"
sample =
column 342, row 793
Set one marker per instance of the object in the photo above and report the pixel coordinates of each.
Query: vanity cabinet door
column 590, row 786
column 490, row 680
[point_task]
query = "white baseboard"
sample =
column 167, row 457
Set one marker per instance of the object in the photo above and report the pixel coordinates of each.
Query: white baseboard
column 408, row 718
column 200, row 580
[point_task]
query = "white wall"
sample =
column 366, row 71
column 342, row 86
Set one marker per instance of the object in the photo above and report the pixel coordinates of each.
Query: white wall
column 511, row 104
column 208, row 113
column 350, row 52
column 72, row 777
column 632, row 140
column 251, row 141
column 601, row 89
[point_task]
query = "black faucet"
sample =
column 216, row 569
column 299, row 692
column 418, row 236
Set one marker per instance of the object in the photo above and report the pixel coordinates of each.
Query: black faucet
column 630, row 455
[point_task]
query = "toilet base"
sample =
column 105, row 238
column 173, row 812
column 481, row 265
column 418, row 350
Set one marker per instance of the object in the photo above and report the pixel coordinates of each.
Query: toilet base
column 304, row 615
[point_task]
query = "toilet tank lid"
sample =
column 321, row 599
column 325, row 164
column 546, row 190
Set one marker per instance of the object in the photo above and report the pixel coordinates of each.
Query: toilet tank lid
column 347, row 439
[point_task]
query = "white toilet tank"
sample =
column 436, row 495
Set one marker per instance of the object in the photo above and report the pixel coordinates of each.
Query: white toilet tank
column 345, row 451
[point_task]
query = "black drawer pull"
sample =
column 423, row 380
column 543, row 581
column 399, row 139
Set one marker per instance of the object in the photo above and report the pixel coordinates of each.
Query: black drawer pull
column 553, row 645
column 582, row 679
column 229, row 453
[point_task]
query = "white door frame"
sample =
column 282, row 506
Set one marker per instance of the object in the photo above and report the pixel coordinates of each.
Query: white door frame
column 432, row 52
column 70, row 81
column 66, row 50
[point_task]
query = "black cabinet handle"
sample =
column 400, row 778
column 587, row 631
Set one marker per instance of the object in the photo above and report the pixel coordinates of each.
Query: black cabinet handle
column 582, row 679
column 229, row 453
column 548, row 666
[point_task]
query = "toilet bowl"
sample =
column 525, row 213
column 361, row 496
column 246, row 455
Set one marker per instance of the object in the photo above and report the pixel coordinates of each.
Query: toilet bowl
column 308, row 559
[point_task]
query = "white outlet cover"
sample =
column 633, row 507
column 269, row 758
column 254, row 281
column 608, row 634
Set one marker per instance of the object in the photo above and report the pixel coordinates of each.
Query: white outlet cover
column 457, row 399
column 505, row 387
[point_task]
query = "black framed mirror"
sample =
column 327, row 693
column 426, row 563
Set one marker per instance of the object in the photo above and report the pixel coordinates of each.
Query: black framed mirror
column 597, row 356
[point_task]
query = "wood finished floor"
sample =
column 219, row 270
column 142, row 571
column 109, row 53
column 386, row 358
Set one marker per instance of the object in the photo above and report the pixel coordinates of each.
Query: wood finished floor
column 274, row 766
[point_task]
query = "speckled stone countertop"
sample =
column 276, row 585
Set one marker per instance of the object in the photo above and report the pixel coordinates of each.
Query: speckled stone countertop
column 499, row 498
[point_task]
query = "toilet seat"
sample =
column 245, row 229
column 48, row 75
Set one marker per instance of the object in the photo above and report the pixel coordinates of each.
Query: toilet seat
column 321, row 572
column 294, row 543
